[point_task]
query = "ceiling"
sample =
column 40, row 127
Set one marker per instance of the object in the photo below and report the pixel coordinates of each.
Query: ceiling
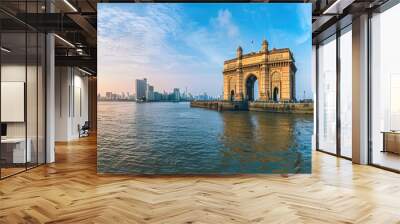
column 75, row 22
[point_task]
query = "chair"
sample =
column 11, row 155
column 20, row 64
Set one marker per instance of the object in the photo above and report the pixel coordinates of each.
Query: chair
column 84, row 130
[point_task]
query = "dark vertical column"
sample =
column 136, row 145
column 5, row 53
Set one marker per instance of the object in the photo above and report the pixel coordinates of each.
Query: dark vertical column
column 37, row 89
column 1, row 165
column 45, row 91
column 26, row 86
column 317, row 96
column 338, row 74
column 92, row 102
column 369, row 115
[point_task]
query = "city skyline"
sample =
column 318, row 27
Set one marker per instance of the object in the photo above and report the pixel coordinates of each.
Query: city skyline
column 132, row 92
column 145, row 92
column 185, row 45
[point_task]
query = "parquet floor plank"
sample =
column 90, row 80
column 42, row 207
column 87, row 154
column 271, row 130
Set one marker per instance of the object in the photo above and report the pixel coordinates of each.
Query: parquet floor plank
column 70, row 191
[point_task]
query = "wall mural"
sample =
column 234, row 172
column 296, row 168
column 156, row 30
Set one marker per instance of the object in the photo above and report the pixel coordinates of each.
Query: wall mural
column 204, row 88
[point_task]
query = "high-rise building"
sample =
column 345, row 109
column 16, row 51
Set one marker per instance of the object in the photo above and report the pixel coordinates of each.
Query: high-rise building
column 158, row 96
column 177, row 95
column 141, row 89
column 150, row 93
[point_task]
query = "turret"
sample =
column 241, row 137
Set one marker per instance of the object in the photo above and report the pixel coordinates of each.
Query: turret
column 239, row 52
column 264, row 47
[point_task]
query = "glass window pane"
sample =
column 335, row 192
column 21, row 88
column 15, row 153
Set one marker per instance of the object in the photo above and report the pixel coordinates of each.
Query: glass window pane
column 31, row 97
column 327, row 96
column 346, row 93
column 385, row 84
column 41, row 99
column 13, row 86
column 23, row 90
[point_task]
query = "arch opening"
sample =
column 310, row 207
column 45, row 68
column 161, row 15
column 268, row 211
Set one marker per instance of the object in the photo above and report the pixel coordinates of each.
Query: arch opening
column 276, row 94
column 232, row 96
column 251, row 88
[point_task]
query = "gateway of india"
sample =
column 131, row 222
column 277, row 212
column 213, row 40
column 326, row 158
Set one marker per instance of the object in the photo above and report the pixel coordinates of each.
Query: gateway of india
column 274, row 69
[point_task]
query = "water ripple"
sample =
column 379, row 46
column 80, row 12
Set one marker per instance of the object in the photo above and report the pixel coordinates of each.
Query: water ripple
column 172, row 138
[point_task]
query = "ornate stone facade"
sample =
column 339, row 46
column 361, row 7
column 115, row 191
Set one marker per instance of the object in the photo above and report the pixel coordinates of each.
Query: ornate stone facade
column 274, row 69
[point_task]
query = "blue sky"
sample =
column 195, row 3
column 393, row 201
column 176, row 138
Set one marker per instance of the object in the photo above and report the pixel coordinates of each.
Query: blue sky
column 184, row 45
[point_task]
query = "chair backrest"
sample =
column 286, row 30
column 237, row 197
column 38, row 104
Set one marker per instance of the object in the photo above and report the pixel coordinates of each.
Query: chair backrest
column 87, row 124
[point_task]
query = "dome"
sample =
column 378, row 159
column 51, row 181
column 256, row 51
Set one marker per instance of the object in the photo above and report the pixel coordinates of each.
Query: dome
column 265, row 42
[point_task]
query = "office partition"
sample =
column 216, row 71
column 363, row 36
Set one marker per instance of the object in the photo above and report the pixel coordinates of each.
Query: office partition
column 22, row 78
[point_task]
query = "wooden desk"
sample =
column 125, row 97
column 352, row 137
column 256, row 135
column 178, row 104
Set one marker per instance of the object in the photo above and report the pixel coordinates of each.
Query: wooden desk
column 391, row 141
column 14, row 150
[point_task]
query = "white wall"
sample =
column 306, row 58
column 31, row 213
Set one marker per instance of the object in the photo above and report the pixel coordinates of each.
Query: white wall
column 13, row 101
column 12, row 73
column 71, row 94
column 62, row 82
column 80, row 110
column 17, row 73
column 33, row 126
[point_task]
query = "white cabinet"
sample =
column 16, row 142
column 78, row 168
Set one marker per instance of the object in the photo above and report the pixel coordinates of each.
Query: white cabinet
column 19, row 154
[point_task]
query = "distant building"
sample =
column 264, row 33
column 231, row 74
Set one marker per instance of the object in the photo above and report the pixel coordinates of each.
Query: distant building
column 141, row 89
column 132, row 97
column 158, row 96
column 114, row 96
column 150, row 93
column 165, row 95
column 176, row 94
column 109, row 95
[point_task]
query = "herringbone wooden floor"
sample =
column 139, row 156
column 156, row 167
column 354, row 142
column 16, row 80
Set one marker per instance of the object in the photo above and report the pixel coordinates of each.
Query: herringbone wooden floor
column 70, row 191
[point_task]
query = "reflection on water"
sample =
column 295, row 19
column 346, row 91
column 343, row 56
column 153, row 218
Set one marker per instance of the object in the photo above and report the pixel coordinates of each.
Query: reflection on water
column 172, row 138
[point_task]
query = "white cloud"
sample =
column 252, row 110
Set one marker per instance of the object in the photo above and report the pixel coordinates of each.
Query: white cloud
column 224, row 22
column 132, row 44
column 216, row 40
column 135, row 43
column 137, row 35
column 304, row 12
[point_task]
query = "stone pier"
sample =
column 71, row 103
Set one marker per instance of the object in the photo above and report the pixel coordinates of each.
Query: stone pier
column 295, row 108
column 220, row 105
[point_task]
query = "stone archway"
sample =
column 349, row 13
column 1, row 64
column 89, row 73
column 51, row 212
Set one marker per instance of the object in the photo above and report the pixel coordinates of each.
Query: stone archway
column 232, row 96
column 278, row 71
column 250, row 81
